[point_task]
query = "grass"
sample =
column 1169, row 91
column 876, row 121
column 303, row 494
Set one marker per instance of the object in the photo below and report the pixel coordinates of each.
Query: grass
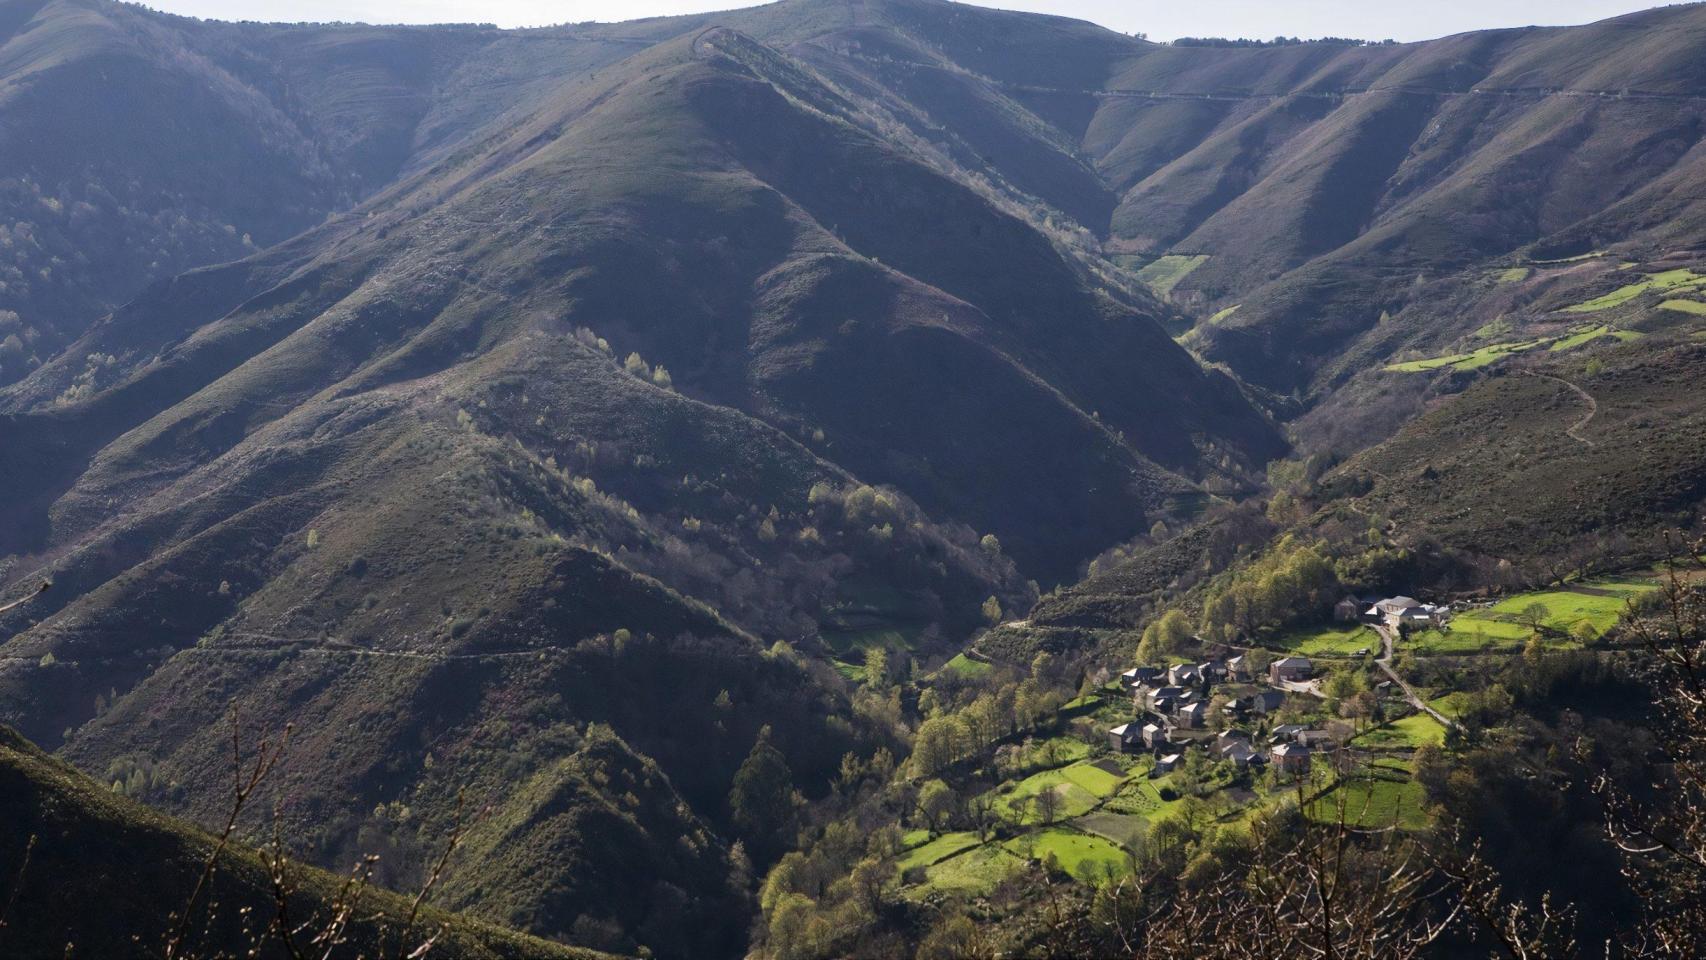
column 966, row 667
column 1121, row 828
column 1097, row 782
column 1223, row 314
column 937, row 850
column 1166, row 273
column 1600, row 604
column 1373, row 803
column 1328, row 641
column 1406, row 733
column 1514, row 275
column 973, row 872
column 1668, row 280
column 1567, row 609
column 1073, row 800
column 1474, row 360
column 1070, row 848
column 1469, row 633
column 1694, row 307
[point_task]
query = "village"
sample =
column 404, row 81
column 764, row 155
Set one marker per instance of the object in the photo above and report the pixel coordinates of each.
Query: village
column 1173, row 704
column 1337, row 715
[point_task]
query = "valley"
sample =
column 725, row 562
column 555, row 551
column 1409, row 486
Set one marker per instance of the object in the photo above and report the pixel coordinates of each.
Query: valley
column 736, row 456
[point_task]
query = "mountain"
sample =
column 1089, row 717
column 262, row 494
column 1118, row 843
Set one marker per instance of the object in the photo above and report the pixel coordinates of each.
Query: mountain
column 142, row 868
column 566, row 420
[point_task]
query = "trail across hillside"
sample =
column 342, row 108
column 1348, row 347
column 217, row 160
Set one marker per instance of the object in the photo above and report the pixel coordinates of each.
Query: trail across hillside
column 1575, row 431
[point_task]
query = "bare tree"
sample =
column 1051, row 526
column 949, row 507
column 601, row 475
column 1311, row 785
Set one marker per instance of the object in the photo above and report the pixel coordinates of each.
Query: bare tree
column 1663, row 837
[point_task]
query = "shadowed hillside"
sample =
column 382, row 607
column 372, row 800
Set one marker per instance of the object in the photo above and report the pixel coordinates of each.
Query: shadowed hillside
column 577, row 418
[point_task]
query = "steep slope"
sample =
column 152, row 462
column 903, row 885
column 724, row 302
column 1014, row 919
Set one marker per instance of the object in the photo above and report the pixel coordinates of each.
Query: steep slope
column 389, row 481
column 92, row 846
column 137, row 145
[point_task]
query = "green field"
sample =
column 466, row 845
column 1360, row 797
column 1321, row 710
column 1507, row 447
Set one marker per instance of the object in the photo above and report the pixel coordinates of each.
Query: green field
column 974, row 872
column 1475, row 360
column 1223, row 314
column 1514, row 275
column 1016, row 805
column 1373, row 803
column 1166, row 273
column 1097, row 782
column 1407, row 733
column 1685, row 306
column 967, row 667
column 1469, row 633
column 1669, row 280
column 1569, row 608
column 1121, row 828
column 1070, row 848
column 937, row 850
column 1328, row 641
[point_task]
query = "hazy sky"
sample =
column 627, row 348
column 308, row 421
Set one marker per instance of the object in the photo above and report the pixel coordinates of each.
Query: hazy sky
column 1161, row 19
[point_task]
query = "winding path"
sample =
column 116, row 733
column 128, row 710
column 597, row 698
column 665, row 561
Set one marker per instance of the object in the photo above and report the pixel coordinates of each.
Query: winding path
column 1388, row 641
column 1575, row 431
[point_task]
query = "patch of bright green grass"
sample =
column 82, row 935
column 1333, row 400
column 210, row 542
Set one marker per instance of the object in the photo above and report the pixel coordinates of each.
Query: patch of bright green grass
column 1576, row 340
column 1668, row 280
column 1374, row 803
column 1098, row 782
column 1566, row 609
column 1222, row 315
column 937, row 850
column 1514, row 275
column 1418, row 729
column 973, row 873
column 1166, row 273
column 1018, row 806
column 1685, row 306
column 1492, row 353
column 1070, row 848
column 1328, row 641
column 966, row 666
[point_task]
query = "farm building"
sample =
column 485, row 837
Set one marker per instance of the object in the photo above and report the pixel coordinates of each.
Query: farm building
column 1290, row 668
column 1192, row 715
column 1291, row 758
column 1126, row 738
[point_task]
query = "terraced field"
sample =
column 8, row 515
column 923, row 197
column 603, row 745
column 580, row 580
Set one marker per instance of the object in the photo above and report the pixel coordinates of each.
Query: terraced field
column 1669, row 280
column 1169, row 271
column 1334, row 641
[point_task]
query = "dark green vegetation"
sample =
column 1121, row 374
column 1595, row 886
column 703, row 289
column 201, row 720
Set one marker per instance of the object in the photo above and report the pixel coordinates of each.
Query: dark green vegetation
column 628, row 426
column 105, row 875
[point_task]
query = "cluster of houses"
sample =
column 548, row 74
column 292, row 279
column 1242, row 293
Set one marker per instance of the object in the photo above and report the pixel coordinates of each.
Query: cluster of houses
column 1176, row 699
column 1172, row 703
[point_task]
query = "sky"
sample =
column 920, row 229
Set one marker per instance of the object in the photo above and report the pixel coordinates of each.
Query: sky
column 1402, row 20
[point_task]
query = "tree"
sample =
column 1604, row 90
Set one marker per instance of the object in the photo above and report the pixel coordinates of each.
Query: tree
column 1047, row 803
column 990, row 545
column 761, row 801
column 1164, row 636
column 1663, row 835
column 937, row 802
column 661, row 377
column 1534, row 616
column 876, row 667
column 992, row 611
